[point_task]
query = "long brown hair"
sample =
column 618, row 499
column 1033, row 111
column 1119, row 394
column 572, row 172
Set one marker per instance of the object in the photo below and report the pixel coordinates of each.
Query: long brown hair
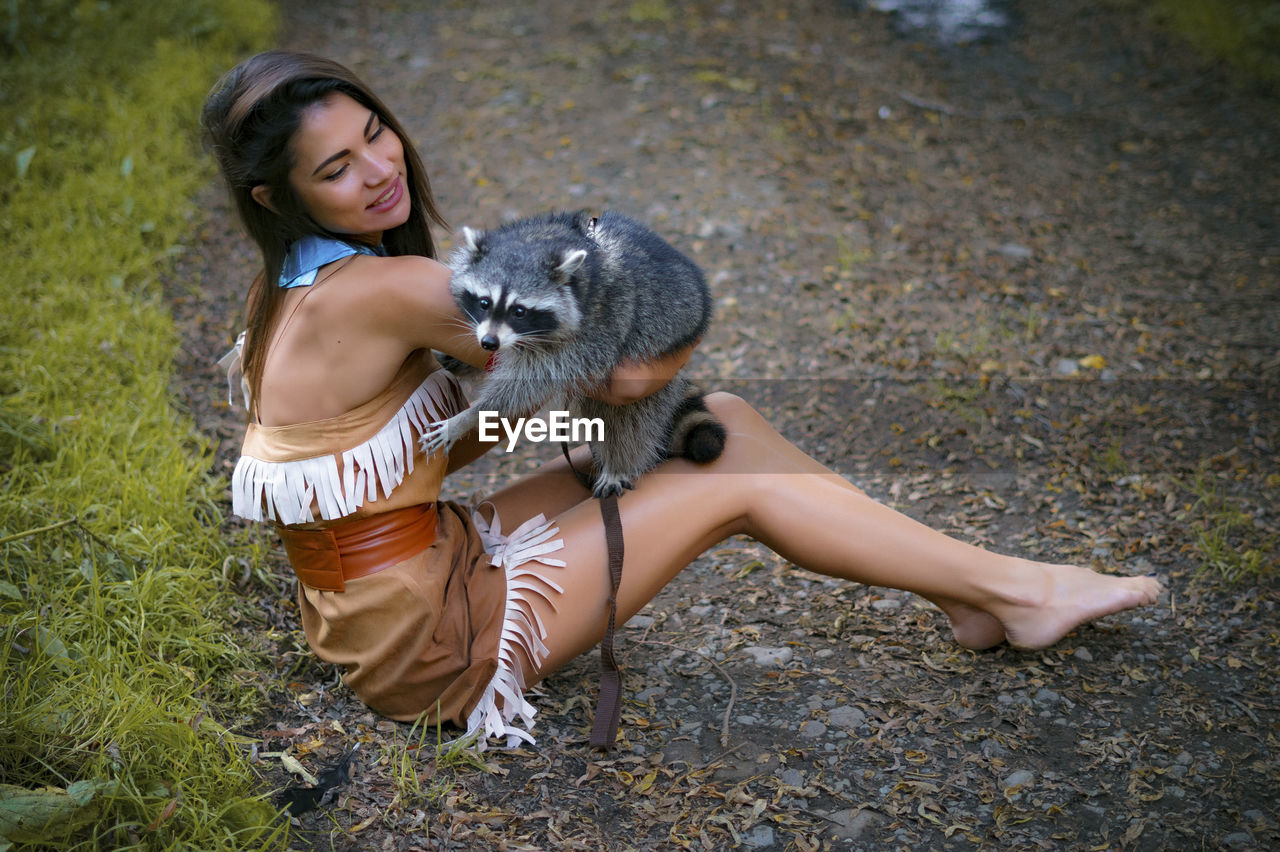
column 249, row 119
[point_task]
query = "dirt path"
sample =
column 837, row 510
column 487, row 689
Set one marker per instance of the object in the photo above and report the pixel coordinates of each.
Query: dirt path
column 1025, row 291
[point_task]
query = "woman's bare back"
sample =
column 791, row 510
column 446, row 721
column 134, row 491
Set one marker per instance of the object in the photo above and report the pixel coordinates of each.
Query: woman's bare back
column 341, row 340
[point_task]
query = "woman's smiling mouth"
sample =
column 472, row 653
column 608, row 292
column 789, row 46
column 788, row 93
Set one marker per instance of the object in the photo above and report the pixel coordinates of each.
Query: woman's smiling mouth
column 388, row 199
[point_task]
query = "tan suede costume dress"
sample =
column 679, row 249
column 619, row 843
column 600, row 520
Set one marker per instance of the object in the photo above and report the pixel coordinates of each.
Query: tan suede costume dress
column 435, row 633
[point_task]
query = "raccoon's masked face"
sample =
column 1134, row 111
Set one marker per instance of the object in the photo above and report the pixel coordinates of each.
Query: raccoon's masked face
column 516, row 300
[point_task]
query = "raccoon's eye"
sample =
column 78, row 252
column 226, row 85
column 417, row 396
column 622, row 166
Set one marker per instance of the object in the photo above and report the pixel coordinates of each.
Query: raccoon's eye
column 519, row 311
column 485, row 304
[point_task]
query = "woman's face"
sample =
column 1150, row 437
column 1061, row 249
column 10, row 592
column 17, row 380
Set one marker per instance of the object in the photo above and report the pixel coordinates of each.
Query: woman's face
column 349, row 169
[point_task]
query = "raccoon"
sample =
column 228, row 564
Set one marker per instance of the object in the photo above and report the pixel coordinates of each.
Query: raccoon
column 561, row 299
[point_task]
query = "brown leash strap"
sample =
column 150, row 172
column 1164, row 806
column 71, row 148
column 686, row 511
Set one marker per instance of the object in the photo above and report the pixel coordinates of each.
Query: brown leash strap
column 583, row 479
column 604, row 730
column 609, row 705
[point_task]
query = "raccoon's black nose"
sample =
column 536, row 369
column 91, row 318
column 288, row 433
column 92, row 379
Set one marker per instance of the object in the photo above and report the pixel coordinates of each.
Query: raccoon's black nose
column 489, row 342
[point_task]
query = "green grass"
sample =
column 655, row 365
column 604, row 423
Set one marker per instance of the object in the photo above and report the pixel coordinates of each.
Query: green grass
column 1231, row 546
column 1243, row 33
column 119, row 666
column 422, row 782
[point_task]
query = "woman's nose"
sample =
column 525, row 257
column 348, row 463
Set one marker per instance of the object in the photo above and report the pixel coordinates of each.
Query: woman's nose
column 380, row 169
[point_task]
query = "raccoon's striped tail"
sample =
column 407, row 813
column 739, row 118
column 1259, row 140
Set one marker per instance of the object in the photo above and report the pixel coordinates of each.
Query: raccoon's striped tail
column 696, row 434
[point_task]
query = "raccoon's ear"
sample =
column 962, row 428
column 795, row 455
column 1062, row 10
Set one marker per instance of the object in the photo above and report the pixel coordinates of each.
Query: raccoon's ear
column 569, row 263
column 474, row 242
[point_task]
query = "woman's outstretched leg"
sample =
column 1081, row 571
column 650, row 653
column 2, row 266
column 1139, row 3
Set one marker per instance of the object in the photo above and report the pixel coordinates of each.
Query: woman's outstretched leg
column 765, row 487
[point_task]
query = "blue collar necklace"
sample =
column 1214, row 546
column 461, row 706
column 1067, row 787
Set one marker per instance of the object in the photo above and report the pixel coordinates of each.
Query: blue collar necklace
column 311, row 252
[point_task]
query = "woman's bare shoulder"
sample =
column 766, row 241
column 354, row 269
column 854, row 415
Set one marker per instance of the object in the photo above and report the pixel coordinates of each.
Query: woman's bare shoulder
column 408, row 271
column 406, row 298
column 390, row 285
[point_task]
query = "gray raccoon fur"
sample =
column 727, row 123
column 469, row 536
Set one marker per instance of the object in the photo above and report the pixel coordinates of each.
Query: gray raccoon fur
column 563, row 299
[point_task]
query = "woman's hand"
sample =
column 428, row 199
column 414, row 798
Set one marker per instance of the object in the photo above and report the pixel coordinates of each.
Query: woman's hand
column 633, row 380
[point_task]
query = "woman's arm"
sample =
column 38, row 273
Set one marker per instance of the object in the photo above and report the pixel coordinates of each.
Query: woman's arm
column 409, row 301
column 468, row 449
column 633, row 380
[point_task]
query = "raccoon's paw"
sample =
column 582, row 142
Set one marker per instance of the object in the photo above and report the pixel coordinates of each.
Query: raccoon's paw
column 436, row 437
column 611, row 486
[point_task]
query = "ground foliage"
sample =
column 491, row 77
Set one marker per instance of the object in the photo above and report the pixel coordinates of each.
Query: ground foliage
column 1243, row 33
column 117, row 662
column 1025, row 290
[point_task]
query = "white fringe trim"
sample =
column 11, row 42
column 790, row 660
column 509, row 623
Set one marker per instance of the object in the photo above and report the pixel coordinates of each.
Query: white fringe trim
column 285, row 491
column 232, row 363
column 521, row 627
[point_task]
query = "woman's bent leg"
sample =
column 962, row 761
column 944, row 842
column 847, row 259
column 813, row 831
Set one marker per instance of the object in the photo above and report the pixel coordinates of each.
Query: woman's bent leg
column 765, row 487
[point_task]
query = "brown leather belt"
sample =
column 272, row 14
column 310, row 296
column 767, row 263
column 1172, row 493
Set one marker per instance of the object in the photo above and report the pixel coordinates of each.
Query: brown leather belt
column 326, row 558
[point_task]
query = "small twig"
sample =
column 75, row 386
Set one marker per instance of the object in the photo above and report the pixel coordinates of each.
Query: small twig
column 1245, row 707
column 722, row 755
column 83, row 530
column 138, row 564
column 936, row 107
column 733, row 687
column 733, row 696
column 1024, row 116
column 807, row 812
column 28, row 533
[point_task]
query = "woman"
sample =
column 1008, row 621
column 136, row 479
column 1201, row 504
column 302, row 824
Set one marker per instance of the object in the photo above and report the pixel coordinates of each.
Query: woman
column 429, row 607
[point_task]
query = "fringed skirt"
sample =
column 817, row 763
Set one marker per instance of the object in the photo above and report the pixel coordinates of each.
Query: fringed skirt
column 448, row 632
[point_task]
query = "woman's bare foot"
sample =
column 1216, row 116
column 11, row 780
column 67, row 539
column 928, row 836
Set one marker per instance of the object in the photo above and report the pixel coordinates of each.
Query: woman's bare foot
column 1067, row 597
column 972, row 628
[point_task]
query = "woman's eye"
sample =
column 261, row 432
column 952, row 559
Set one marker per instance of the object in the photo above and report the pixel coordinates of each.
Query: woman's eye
column 518, row 311
column 335, row 175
